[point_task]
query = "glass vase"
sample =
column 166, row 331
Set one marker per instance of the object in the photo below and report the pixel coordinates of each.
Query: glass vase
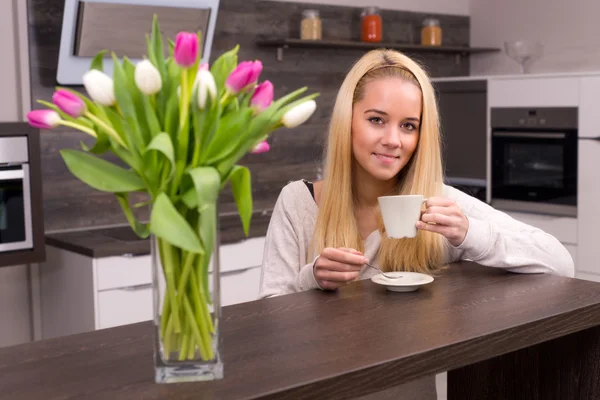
column 187, row 311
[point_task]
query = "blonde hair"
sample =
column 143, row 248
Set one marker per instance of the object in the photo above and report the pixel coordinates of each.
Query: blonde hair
column 336, row 222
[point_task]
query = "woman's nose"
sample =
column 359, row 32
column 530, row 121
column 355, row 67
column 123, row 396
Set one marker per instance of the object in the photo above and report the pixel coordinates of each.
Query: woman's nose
column 391, row 138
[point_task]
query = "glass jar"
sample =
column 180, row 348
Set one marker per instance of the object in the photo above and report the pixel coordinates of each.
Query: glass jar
column 310, row 27
column 431, row 32
column 371, row 25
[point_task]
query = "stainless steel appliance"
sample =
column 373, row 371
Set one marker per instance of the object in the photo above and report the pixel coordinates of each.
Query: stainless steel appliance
column 534, row 160
column 15, row 195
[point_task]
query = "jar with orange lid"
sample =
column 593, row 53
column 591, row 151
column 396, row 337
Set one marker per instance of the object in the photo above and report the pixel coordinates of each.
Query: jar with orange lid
column 431, row 32
column 371, row 25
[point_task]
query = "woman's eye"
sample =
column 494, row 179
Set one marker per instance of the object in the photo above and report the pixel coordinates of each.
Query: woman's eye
column 408, row 126
column 376, row 120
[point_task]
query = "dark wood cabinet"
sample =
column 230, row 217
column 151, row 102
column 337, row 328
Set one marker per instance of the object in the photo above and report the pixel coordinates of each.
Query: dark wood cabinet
column 462, row 106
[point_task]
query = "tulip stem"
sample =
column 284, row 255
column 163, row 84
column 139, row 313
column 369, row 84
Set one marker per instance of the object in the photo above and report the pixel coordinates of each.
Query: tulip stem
column 81, row 128
column 107, row 128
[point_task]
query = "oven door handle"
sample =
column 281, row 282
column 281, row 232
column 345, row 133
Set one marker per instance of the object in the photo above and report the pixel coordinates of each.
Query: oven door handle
column 11, row 174
column 528, row 135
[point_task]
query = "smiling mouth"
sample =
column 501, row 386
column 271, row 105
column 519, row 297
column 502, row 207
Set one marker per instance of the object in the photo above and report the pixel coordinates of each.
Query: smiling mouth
column 385, row 156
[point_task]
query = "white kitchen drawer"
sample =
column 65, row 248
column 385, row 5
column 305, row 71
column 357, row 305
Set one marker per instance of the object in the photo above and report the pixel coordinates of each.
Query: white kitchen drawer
column 240, row 286
column 124, row 306
column 534, row 92
column 123, row 271
column 242, row 255
column 562, row 228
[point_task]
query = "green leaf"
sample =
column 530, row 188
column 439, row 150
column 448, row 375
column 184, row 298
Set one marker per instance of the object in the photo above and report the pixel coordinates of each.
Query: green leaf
column 115, row 120
column 190, row 199
column 101, row 145
column 98, row 61
column 206, row 182
column 241, row 187
column 223, row 66
column 125, row 100
column 207, row 229
column 287, row 98
column 101, row 174
column 163, row 144
column 225, row 139
column 172, row 117
column 158, row 49
column 152, row 119
column 168, row 224
column 137, row 96
column 140, row 229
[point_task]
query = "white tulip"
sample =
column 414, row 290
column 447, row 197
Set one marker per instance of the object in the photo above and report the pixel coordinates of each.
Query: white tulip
column 100, row 87
column 206, row 87
column 147, row 78
column 299, row 114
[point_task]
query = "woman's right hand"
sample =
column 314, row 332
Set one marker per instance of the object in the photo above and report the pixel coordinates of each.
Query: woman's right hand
column 338, row 267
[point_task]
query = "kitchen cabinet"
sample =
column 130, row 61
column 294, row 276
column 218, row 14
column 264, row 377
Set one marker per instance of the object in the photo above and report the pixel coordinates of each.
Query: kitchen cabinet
column 463, row 121
column 534, row 92
column 562, row 228
column 589, row 117
column 81, row 293
column 588, row 203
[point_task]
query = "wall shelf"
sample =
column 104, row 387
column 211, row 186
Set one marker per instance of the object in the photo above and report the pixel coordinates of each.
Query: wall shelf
column 282, row 44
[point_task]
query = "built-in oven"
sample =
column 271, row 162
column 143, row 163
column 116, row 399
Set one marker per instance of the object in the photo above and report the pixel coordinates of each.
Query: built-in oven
column 534, row 160
column 15, row 195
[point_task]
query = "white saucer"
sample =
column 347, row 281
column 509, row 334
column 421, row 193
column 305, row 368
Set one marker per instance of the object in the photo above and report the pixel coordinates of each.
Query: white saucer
column 409, row 281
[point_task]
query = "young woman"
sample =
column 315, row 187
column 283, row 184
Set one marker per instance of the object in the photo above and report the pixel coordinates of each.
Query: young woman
column 384, row 139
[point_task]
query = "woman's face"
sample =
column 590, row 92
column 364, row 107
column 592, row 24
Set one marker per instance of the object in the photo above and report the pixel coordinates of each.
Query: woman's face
column 385, row 126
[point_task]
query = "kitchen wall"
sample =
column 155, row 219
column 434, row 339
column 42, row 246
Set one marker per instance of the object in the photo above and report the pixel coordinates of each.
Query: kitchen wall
column 70, row 204
column 568, row 30
column 14, row 283
column 295, row 153
column 455, row 7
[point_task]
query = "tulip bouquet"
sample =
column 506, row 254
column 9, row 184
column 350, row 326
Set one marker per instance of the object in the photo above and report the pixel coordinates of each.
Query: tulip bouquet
column 181, row 128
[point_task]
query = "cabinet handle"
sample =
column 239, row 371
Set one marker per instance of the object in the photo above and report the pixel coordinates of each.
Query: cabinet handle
column 134, row 288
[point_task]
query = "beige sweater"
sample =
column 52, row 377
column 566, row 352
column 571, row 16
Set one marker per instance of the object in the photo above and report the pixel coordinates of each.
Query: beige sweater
column 494, row 239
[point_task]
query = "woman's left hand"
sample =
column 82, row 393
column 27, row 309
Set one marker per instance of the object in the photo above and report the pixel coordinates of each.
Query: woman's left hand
column 443, row 216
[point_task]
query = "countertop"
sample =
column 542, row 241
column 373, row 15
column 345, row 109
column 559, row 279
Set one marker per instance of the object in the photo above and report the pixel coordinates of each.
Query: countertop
column 121, row 240
column 539, row 75
column 498, row 333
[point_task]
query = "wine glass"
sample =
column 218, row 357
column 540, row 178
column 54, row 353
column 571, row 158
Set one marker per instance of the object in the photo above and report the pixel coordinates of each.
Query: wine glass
column 522, row 52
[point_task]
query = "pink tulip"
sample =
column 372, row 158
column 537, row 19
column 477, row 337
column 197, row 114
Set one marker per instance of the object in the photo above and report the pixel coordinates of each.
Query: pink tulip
column 244, row 75
column 186, row 49
column 263, row 96
column 43, row 119
column 262, row 147
column 69, row 103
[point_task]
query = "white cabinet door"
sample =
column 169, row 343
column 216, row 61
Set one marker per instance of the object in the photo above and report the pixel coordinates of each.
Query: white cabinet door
column 534, row 92
column 121, row 271
column 124, row 306
column 588, row 203
column 240, row 286
column 562, row 228
column 589, row 101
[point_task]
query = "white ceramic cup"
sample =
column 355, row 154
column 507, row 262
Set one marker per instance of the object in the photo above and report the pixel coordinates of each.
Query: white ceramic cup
column 400, row 214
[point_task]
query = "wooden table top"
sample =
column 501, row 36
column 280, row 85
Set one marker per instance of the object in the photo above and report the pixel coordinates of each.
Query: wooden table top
column 319, row 344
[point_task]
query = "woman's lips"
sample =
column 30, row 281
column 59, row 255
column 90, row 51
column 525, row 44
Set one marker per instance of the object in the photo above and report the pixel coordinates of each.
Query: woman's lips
column 385, row 158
